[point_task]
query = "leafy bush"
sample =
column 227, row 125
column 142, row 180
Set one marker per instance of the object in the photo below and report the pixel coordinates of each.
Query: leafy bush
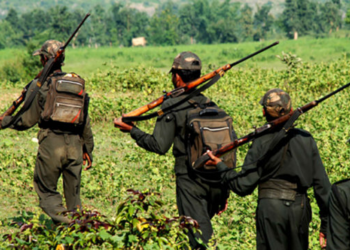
column 139, row 79
column 292, row 61
column 24, row 68
column 137, row 224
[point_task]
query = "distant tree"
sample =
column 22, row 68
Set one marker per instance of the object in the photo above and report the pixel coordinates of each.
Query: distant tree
column 127, row 23
column 331, row 14
column 8, row 36
column 347, row 18
column 189, row 22
column 298, row 17
column 246, row 22
column 35, row 22
column 82, row 37
column 225, row 27
column 98, row 26
column 61, row 24
column 263, row 21
column 194, row 18
column 163, row 28
column 13, row 19
column 13, row 29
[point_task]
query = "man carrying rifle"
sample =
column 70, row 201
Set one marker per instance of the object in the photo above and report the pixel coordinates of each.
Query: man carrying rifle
column 195, row 197
column 283, row 178
column 60, row 109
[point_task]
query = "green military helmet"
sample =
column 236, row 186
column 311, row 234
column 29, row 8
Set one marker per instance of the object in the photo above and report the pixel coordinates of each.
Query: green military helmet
column 49, row 48
column 186, row 61
column 276, row 103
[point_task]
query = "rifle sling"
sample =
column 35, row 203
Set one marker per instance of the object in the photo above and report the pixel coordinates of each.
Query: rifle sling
column 155, row 114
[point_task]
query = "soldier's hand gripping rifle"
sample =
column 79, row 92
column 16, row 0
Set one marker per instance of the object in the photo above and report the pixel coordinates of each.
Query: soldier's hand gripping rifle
column 43, row 74
column 288, row 119
column 215, row 75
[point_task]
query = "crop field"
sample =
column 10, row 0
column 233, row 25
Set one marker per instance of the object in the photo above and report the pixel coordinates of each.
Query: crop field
column 119, row 164
column 87, row 61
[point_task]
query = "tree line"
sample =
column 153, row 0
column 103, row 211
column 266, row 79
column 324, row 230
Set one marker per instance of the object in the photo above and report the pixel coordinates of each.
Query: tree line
column 198, row 21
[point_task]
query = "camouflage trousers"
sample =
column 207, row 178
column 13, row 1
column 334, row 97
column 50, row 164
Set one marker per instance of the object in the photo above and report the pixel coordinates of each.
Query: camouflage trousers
column 58, row 154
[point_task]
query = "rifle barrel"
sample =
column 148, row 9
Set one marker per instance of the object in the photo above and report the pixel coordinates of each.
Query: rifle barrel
column 75, row 31
column 255, row 53
column 333, row 93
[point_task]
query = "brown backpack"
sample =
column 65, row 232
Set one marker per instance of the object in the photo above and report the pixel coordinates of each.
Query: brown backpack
column 209, row 128
column 65, row 99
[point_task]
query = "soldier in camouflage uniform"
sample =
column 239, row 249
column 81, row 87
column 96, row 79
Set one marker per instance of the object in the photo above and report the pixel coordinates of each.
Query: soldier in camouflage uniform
column 283, row 213
column 60, row 146
column 338, row 230
column 195, row 198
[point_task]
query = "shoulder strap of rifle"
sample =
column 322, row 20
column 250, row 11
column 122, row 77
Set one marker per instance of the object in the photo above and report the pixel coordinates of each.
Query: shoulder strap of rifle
column 163, row 111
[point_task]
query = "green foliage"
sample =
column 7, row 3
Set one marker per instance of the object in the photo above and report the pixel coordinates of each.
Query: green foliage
column 291, row 61
column 263, row 22
column 136, row 224
column 25, row 68
column 140, row 79
column 195, row 21
column 304, row 17
column 164, row 27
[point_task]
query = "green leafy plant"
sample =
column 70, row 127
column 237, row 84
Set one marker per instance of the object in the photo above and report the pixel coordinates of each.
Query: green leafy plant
column 291, row 60
column 137, row 224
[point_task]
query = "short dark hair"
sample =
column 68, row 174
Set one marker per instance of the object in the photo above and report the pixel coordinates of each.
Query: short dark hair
column 187, row 75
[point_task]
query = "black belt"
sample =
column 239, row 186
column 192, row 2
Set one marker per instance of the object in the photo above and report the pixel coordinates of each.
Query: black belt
column 278, row 189
column 61, row 127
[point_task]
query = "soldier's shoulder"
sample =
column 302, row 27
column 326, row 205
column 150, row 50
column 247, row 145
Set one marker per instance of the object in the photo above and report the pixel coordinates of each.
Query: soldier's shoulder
column 343, row 185
column 171, row 101
column 301, row 132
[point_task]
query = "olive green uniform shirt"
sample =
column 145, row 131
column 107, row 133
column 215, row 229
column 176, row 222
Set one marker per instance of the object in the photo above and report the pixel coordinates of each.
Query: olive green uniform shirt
column 301, row 165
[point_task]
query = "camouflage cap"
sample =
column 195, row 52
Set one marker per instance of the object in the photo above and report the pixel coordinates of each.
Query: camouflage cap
column 276, row 102
column 187, row 60
column 49, row 48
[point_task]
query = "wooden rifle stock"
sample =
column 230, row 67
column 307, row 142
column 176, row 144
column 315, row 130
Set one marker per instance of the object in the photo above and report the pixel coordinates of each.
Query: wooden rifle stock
column 178, row 91
column 271, row 126
column 43, row 74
